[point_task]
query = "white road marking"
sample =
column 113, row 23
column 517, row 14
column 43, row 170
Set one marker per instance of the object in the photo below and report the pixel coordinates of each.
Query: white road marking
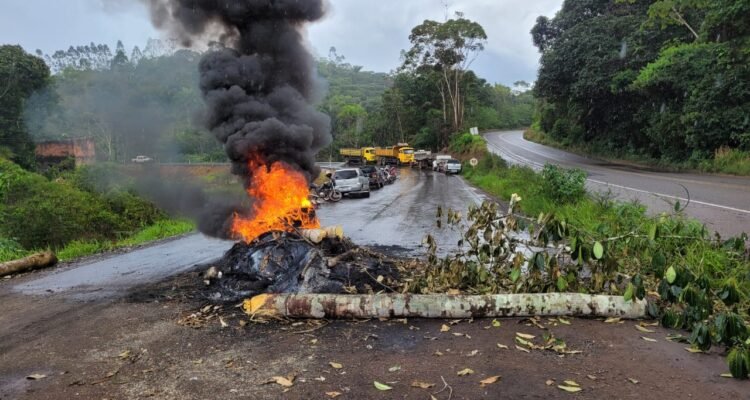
column 524, row 160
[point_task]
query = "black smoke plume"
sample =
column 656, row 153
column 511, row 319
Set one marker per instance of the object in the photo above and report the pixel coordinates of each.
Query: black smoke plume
column 259, row 84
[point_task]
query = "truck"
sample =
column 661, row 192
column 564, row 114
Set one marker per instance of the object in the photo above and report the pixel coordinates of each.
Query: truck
column 400, row 154
column 422, row 159
column 359, row 156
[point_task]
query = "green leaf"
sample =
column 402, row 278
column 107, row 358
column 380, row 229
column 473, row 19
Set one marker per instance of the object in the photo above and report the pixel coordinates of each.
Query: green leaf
column 628, row 292
column 598, row 251
column 562, row 283
column 652, row 232
column 671, row 275
column 381, row 386
column 515, row 274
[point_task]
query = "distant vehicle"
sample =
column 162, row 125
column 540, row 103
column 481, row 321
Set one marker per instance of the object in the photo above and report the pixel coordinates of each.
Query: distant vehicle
column 351, row 181
column 452, row 166
column 439, row 163
column 376, row 179
column 362, row 156
column 422, row 159
column 401, row 154
column 142, row 159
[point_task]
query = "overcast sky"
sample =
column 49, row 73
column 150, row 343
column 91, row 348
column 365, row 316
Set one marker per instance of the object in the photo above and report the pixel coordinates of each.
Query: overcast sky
column 367, row 33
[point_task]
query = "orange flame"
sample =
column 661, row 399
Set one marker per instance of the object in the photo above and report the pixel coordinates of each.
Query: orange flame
column 281, row 202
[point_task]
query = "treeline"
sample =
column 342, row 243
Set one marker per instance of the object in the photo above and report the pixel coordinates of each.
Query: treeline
column 433, row 95
column 148, row 102
column 668, row 79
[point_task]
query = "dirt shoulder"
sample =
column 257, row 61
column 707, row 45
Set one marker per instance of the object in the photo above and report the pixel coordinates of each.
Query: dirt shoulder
column 157, row 343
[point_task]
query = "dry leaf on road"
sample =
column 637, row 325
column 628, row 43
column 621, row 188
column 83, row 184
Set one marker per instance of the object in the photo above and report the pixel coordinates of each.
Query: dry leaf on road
column 465, row 371
column 489, row 381
column 285, row 382
column 525, row 335
column 644, row 330
column 336, row 365
column 422, row 385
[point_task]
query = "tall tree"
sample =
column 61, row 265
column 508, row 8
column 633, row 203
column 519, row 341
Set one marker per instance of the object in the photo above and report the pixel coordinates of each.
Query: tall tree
column 21, row 74
column 447, row 49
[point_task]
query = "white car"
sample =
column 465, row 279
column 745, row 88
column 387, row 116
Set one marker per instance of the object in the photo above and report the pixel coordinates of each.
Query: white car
column 452, row 166
column 350, row 181
column 142, row 159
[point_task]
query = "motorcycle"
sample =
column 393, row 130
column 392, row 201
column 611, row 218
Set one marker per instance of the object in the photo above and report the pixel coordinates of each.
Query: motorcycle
column 326, row 191
column 392, row 173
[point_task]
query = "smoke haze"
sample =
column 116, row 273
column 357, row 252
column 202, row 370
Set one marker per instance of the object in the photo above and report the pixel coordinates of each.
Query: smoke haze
column 258, row 83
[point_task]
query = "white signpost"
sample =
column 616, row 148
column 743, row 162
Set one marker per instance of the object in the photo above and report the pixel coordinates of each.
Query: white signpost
column 474, row 130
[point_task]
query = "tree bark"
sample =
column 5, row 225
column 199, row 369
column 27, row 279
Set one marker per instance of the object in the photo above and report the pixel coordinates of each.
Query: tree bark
column 443, row 306
column 33, row 261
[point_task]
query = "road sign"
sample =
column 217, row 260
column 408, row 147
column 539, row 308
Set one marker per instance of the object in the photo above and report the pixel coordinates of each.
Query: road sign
column 474, row 162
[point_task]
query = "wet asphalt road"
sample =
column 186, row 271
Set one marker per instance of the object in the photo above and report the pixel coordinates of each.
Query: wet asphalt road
column 721, row 202
column 397, row 216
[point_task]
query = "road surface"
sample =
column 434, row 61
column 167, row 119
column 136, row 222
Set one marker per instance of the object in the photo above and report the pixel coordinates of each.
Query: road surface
column 156, row 341
column 397, row 216
column 721, row 202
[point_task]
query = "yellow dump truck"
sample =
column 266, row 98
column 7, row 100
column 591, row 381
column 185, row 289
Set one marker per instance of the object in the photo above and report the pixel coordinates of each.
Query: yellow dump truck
column 362, row 156
column 401, row 154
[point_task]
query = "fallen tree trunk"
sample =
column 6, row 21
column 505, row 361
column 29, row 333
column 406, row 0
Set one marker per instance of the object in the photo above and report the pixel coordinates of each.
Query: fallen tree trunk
column 442, row 306
column 38, row 260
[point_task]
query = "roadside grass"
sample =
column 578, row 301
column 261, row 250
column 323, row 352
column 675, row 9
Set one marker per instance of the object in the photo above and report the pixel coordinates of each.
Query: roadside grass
column 599, row 217
column 160, row 230
column 725, row 160
column 11, row 250
column 728, row 161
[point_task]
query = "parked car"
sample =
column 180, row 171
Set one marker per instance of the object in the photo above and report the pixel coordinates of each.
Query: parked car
column 452, row 166
column 142, row 159
column 376, row 180
column 351, row 181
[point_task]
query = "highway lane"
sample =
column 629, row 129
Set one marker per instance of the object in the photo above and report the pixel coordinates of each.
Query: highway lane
column 721, row 202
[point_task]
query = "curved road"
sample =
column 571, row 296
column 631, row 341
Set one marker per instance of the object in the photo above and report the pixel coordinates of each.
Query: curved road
column 721, row 202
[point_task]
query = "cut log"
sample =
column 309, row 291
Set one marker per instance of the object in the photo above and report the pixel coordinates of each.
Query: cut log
column 443, row 306
column 317, row 235
column 38, row 260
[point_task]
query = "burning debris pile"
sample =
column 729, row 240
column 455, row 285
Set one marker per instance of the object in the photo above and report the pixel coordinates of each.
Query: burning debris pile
column 283, row 262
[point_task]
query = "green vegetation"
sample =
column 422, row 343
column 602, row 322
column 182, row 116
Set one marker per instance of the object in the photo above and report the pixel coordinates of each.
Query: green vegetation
column 697, row 281
column 20, row 75
column 666, row 81
column 77, row 212
column 467, row 144
column 159, row 230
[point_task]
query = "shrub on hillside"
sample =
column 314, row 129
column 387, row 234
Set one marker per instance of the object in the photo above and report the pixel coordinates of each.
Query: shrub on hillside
column 467, row 143
column 563, row 185
column 38, row 213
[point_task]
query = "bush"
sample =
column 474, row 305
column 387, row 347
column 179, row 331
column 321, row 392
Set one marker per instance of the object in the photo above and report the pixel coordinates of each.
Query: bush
column 467, row 144
column 39, row 213
column 563, row 185
column 11, row 250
